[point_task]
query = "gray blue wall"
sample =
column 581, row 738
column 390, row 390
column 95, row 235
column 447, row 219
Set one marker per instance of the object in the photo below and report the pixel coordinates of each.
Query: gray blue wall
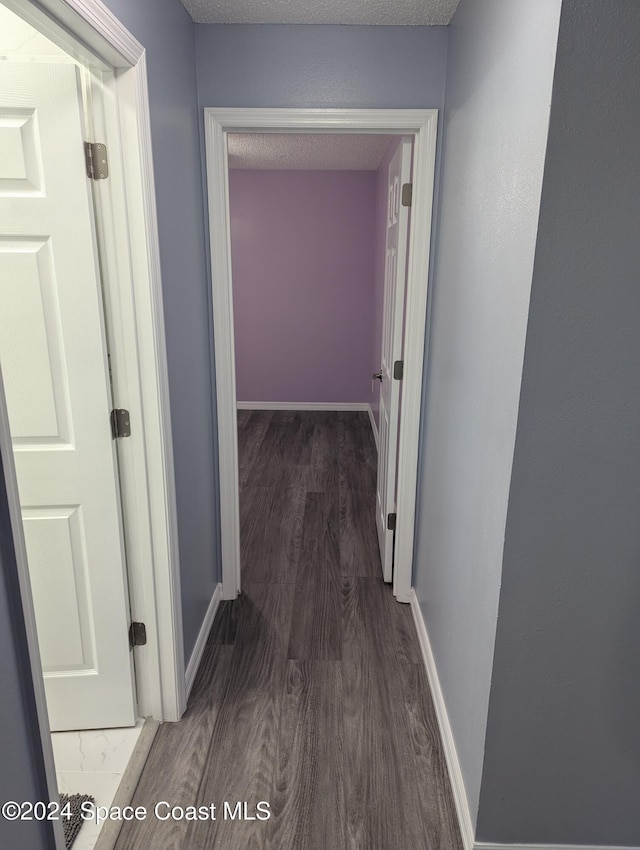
column 323, row 66
column 330, row 66
column 499, row 78
column 168, row 34
column 562, row 762
column 22, row 776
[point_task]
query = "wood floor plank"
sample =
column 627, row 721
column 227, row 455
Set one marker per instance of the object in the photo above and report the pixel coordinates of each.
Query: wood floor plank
column 271, row 521
column 369, row 453
column 243, row 417
column 273, row 457
column 283, row 416
column 323, row 473
column 225, row 625
column 255, row 508
column 312, row 694
column 437, row 808
column 316, row 626
column 250, row 440
column 308, row 798
column 242, row 754
column 260, row 649
column 383, row 805
column 298, row 434
column 177, row 760
column 404, row 633
column 359, row 550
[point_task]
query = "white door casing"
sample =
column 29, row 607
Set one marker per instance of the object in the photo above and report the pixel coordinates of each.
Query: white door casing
column 421, row 124
column 392, row 330
column 54, row 364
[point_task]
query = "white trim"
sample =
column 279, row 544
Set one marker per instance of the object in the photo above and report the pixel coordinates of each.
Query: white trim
column 267, row 120
column 128, row 243
column 101, row 30
column 374, row 427
column 160, row 670
column 420, row 123
column 446, row 734
column 224, row 353
column 86, row 29
column 482, row 845
column 201, row 642
column 158, row 599
column 302, row 405
column 414, row 355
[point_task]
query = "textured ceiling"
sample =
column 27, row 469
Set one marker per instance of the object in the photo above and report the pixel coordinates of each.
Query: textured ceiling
column 306, row 151
column 382, row 12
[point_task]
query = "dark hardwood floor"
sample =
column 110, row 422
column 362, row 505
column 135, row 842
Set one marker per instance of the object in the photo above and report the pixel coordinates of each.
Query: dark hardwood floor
column 312, row 694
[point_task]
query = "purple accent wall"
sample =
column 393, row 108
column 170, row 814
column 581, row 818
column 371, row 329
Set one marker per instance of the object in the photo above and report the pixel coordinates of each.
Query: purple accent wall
column 302, row 245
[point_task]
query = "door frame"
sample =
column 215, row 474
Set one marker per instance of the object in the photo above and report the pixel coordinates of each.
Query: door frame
column 92, row 34
column 422, row 125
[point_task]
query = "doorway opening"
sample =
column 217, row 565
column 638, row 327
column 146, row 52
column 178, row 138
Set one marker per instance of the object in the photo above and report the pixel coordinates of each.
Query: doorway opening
column 318, row 241
column 81, row 334
column 50, row 310
column 419, row 125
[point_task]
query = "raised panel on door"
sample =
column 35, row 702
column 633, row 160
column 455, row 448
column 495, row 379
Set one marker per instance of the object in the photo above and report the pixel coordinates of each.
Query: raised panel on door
column 54, row 365
column 20, row 153
column 33, row 361
column 65, row 632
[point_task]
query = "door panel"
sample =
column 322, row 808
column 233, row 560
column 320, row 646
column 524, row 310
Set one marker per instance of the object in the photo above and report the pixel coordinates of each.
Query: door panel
column 65, row 634
column 392, row 328
column 54, row 364
column 36, row 390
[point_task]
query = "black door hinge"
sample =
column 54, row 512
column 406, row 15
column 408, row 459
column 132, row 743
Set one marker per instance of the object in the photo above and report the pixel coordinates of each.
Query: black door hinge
column 407, row 194
column 120, row 423
column 137, row 635
column 398, row 370
column 391, row 522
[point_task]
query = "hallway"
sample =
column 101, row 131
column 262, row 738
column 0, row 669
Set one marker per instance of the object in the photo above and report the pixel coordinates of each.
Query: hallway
column 312, row 693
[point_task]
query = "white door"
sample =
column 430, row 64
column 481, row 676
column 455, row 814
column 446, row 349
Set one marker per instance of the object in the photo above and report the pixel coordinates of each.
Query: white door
column 54, row 364
column 392, row 327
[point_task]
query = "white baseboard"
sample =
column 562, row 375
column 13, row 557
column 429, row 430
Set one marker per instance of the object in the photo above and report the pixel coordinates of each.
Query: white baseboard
column 374, row 427
column 482, row 845
column 201, row 642
column 453, row 764
column 446, row 733
column 303, row 405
